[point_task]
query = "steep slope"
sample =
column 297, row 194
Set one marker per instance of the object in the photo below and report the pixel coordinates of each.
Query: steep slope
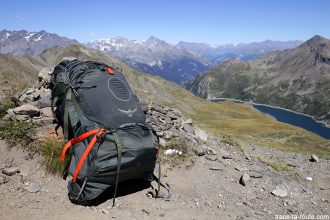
column 232, row 122
column 22, row 42
column 297, row 79
column 154, row 56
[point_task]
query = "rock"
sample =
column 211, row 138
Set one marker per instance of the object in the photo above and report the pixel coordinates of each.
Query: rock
column 241, row 169
column 10, row 114
column 172, row 115
column 211, row 157
column 201, row 134
column 225, row 154
column 44, row 74
column 26, row 109
column 160, row 133
column 244, row 179
column 215, row 168
column 168, row 134
column 314, row 158
column 188, row 128
column 10, row 171
column 308, row 178
column 280, row 191
column 172, row 152
column 162, row 142
column 254, row 174
column 16, row 101
column 3, row 180
column 200, row 150
column 189, row 121
column 33, row 187
column 146, row 211
column 158, row 109
column 211, row 151
column 47, row 112
column 44, row 100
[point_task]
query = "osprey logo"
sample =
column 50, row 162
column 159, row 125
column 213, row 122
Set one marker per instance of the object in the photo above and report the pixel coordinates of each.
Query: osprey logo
column 129, row 112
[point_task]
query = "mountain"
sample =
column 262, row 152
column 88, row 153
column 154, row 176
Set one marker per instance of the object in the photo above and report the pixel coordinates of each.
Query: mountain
column 297, row 79
column 30, row 43
column 243, row 51
column 154, row 56
column 224, row 119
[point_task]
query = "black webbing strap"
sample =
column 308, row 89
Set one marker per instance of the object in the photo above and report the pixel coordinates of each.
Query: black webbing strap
column 119, row 151
column 158, row 179
column 68, row 99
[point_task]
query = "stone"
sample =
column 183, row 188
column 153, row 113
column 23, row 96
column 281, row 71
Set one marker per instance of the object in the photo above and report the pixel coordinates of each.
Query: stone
column 45, row 74
column 188, row 128
column 308, row 178
column 314, row 158
column 241, row 169
column 10, row 171
column 188, row 121
column 215, row 168
column 3, row 180
column 211, row 151
column 280, row 191
column 47, row 112
column 211, row 157
column 200, row 150
column 254, row 174
column 201, row 134
column 225, row 154
column 162, row 142
column 29, row 91
column 158, row 109
column 26, row 109
column 33, row 187
column 244, row 179
column 172, row 115
column 160, row 133
column 10, row 114
column 146, row 211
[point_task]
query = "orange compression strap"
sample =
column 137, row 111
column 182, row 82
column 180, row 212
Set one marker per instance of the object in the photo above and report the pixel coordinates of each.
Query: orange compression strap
column 76, row 140
column 85, row 154
column 110, row 71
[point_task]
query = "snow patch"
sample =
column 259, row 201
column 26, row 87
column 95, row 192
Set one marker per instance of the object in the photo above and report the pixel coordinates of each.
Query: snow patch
column 29, row 36
column 39, row 38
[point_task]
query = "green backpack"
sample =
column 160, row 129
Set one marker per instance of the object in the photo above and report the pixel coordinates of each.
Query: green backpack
column 104, row 125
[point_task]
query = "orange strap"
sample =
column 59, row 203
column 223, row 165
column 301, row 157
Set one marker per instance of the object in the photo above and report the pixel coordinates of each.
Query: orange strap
column 110, row 71
column 85, row 154
column 74, row 141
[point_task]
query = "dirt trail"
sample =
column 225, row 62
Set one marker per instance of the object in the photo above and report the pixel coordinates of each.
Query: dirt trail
column 200, row 193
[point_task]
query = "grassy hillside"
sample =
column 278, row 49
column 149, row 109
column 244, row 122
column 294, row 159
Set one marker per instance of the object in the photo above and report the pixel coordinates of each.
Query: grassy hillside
column 297, row 79
column 233, row 122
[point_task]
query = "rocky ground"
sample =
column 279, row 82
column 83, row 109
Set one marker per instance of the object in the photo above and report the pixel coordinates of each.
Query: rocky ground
column 211, row 179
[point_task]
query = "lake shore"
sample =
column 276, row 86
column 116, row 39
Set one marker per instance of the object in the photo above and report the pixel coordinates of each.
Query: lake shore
column 324, row 122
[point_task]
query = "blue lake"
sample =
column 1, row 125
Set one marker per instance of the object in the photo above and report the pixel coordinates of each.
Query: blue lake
column 293, row 118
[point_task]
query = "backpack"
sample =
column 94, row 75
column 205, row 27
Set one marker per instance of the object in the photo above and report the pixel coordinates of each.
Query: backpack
column 104, row 127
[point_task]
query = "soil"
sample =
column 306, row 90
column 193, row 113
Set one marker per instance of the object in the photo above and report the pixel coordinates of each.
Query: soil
column 203, row 189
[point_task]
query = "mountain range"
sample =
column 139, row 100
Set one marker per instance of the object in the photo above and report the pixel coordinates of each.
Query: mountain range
column 297, row 79
column 179, row 63
column 22, row 42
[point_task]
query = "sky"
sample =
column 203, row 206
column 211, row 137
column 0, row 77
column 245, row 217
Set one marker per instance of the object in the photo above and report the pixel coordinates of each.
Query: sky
column 209, row 21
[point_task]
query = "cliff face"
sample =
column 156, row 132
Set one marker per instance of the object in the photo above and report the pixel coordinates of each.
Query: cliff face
column 297, row 79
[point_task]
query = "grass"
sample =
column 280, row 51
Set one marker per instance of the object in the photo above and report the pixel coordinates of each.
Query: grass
column 176, row 159
column 237, row 123
column 280, row 167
